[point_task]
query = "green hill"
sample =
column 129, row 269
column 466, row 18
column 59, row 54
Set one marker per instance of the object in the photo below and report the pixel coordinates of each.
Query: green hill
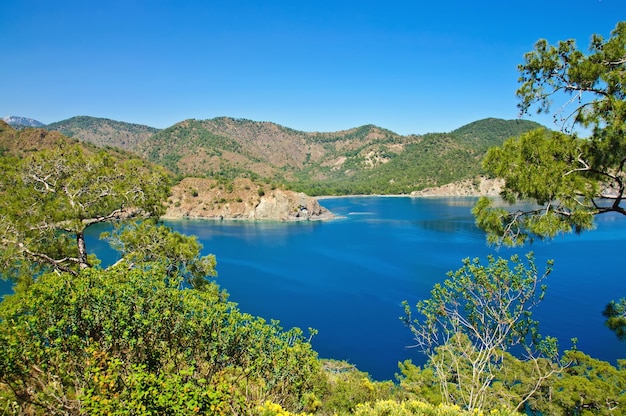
column 363, row 160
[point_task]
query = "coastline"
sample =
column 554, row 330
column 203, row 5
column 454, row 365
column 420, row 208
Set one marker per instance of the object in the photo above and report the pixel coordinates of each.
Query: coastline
column 195, row 199
column 476, row 187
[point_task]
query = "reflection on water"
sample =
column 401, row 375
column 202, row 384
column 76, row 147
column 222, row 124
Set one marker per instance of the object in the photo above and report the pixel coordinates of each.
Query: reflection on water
column 450, row 226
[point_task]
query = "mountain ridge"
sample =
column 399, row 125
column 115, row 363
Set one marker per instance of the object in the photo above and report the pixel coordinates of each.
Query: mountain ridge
column 362, row 160
column 103, row 131
column 22, row 122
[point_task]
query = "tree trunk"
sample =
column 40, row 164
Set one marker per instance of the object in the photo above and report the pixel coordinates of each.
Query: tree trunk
column 82, row 250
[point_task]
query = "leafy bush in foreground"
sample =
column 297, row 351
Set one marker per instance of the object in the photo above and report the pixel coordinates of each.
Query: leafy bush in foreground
column 126, row 341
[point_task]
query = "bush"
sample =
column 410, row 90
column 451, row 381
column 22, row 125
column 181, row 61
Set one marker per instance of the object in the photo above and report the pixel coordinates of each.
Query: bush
column 133, row 339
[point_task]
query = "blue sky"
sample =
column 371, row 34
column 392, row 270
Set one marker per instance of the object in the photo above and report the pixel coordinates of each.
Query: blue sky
column 409, row 66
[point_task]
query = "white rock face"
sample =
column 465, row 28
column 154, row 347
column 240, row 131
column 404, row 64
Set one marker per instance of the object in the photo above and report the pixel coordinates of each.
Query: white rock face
column 481, row 187
column 16, row 121
column 288, row 205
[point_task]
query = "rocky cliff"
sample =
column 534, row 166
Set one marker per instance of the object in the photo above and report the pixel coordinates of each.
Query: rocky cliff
column 241, row 199
column 480, row 186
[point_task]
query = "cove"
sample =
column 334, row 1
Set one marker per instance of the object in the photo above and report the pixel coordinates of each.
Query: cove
column 347, row 277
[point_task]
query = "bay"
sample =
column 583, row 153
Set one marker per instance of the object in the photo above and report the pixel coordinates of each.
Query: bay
column 347, row 277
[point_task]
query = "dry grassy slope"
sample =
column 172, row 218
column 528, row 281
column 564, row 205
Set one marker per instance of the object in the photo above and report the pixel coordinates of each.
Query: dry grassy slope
column 241, row 199
column 23, row 142
column 263, row 147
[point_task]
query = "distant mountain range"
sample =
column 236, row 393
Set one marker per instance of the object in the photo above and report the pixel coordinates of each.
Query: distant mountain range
column 21, row 122
column 363, row 160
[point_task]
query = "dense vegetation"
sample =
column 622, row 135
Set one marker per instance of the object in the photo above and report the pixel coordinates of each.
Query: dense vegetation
column 154, row 334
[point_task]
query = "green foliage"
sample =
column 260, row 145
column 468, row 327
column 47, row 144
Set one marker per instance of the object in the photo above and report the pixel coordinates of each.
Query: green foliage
column 489, row 132
column 472, row 319
column 571, row 180
column 148, row 241
column 418, row 408
column 568, row 181
column 615, row 314
column 50, row 198
column 125, row 339
column 346, row 387
column 582, row 385
column 539, row 166
column 419, row 383
column 585, row 387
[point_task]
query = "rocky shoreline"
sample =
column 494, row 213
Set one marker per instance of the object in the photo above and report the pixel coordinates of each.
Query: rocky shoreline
column 197, row 198
column 480, row 186
column 242, row 199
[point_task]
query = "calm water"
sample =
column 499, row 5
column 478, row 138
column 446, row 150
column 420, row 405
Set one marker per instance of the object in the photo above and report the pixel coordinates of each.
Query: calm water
column 347, row 277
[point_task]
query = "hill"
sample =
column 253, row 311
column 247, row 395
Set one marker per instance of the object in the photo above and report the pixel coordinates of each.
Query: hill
column 240, row 199
column 104, row 132
column 23, row 141
column 363, row 160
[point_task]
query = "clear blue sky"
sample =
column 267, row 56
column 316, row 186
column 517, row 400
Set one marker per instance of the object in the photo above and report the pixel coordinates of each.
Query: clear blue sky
column 410, row 66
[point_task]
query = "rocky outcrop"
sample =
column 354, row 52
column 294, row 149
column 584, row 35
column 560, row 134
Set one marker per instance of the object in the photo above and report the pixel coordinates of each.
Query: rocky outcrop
column 241, row 199
column 480, row 186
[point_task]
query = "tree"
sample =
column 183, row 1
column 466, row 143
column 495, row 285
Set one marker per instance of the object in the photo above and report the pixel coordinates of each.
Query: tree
column 585, row 387
column 131, row 341
column 50, row 198
column 149, row 241
column 615, row 314
column 471, row 321
column 569, row 180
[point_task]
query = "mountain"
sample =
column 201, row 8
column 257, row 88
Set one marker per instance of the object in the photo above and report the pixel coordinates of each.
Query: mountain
column 21, row 122
column 363, row 160
column 104, row 132
column 489, row 132
column 367, row 159
column 230, row 147
column 19, row 142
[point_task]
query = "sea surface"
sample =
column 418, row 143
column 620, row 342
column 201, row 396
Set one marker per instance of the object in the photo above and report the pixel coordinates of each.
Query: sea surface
column 347, row 277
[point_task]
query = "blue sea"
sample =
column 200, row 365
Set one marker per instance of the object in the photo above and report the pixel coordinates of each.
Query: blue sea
column 347, row 277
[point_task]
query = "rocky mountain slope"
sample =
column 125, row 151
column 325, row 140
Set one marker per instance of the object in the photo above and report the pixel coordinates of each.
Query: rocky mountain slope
column 480, row 186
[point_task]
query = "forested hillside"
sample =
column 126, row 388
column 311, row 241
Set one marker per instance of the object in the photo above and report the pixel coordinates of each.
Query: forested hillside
column 362, row 160
column 104, row 132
